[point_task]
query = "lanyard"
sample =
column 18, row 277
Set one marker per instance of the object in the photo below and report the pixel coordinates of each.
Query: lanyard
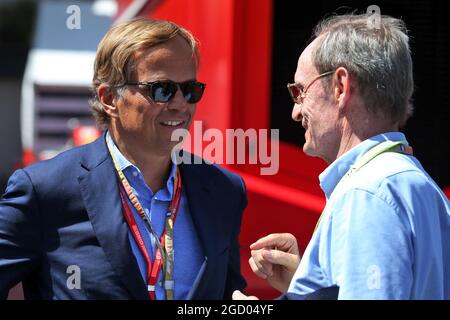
column 164, row 256
column 385, row 146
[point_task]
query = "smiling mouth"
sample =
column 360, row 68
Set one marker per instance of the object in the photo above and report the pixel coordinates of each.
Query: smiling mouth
column 173, row 123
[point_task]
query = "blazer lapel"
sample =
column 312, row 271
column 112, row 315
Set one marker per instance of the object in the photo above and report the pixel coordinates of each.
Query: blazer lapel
column 99, row 189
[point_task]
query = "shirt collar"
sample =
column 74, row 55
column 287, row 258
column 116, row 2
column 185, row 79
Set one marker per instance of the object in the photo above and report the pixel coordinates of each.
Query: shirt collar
column 331, row 176
column 120, row 158
column 126, row 166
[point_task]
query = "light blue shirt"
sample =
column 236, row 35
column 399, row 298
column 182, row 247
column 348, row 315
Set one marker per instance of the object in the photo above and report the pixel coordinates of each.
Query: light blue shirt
column 384, row 233
column 188, row 256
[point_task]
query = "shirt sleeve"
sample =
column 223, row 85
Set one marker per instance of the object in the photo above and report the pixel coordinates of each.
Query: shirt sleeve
column 371, row 246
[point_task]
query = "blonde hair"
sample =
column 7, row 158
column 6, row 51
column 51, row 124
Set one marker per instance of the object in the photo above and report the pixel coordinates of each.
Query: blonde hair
column 114, row 60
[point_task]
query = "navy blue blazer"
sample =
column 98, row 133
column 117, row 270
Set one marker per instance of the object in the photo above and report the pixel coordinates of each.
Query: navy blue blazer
column 67, row 211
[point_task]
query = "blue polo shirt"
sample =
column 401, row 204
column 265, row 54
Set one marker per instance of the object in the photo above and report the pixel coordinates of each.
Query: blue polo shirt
column 384, row 233
column 188, row 256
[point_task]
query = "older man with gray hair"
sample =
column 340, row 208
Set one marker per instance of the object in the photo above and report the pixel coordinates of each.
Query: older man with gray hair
column 385, row 230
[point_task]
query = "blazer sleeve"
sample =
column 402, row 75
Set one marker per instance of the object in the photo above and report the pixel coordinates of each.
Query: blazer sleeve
column 20, row 235
column 235, row 280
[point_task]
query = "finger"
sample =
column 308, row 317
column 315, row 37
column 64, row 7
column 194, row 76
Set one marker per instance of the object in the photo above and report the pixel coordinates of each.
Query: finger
column 270, row 240
column 276, row 240
column 256, row 270
column 261, row 264
column 237, row 295
column 288, row 260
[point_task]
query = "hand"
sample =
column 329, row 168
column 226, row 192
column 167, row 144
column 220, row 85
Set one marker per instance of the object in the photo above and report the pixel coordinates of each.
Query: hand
column 237, row 295
column 275, row 258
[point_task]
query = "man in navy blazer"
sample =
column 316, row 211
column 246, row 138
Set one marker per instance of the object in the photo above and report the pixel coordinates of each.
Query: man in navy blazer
column 63, row 226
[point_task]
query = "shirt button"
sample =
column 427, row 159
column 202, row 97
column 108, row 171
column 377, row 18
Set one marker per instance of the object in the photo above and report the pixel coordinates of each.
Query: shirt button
column 135, row 173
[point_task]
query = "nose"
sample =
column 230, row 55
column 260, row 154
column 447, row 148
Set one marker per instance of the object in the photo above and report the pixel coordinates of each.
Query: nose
column 297, row 112
column 178, row 102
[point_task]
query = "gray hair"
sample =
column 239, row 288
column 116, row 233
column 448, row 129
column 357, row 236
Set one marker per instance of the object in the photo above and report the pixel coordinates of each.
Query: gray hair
column 378, row 56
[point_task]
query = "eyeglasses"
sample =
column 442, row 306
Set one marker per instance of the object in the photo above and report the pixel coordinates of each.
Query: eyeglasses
column 164, row 90
column 297, row 92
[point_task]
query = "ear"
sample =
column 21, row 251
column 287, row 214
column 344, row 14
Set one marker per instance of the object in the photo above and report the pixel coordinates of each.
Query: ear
column 106, row 96
column 341, row 82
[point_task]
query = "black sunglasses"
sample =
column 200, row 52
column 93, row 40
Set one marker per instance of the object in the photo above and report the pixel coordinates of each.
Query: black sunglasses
column 164, row 90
